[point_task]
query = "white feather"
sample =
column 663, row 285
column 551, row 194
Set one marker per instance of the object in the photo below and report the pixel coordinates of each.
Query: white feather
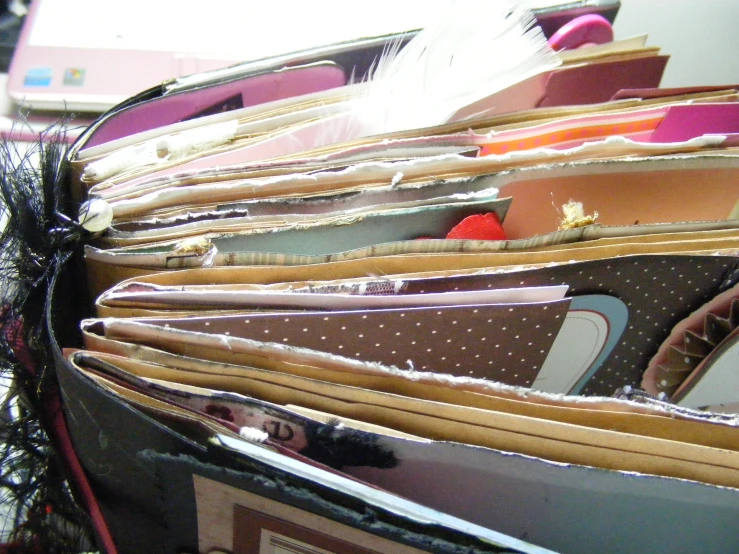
column 474, row 49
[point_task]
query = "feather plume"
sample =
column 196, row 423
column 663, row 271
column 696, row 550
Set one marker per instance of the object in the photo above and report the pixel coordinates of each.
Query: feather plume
column 473, row 50
column 42, row 515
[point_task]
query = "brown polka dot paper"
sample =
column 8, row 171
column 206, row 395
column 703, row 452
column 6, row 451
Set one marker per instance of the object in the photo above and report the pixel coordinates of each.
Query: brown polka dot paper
column 503, row 342
column 658, row 290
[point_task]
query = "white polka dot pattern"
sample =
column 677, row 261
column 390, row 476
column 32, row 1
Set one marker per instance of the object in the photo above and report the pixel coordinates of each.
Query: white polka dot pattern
column 485, row 341
column 658, row 290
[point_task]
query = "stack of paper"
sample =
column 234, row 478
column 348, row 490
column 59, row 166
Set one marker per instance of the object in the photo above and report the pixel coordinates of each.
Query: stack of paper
column 410, row 341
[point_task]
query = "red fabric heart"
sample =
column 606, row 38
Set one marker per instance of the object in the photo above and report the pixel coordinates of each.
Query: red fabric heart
column 479, row 227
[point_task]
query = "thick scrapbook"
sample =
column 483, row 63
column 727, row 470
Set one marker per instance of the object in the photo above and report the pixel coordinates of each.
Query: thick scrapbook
column 451, row 308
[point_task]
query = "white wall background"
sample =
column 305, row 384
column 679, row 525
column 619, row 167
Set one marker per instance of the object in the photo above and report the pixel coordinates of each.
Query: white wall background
column 701, row 36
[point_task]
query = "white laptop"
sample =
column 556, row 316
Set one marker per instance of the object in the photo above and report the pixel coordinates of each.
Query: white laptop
column 89, row 55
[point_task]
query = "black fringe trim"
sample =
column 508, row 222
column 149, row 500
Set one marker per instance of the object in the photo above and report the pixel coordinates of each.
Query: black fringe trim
column 38, row 236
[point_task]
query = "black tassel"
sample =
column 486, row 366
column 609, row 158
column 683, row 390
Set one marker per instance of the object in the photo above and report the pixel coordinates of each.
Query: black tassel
column 38, row 236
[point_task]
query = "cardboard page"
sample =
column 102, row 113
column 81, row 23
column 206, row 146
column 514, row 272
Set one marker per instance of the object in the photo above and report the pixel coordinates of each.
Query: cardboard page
column 554, row 441
column 608, row 414
column 368, row 174
column 655, row 285
column 488, row 476
column 648, row 185
column 287, row 215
